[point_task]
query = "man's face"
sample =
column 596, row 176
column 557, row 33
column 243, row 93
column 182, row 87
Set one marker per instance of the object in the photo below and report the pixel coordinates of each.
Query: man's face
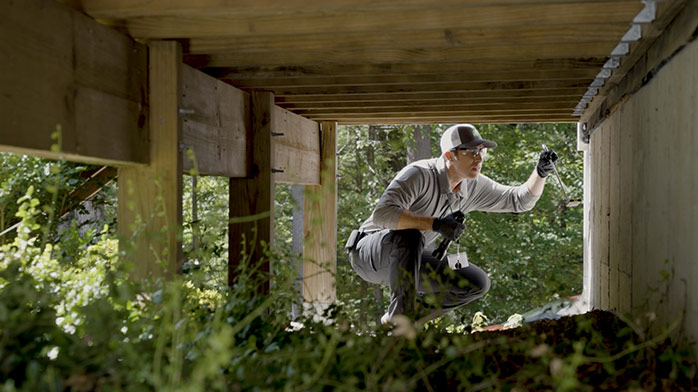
column 468, row 162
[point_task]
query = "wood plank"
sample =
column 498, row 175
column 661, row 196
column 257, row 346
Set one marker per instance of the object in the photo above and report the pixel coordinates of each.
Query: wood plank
column 469, row 66
column 495, row 95
column 320, row 221
column 453, row 120
column 434, row 103
column 297, row 148
column 406, row 79
column 253, row 197
column 398, row 55
column 562, row 107
column 490, row 115
column 216, row 23
column 216, row 118
column 437, row 38
column 61, row 69
column 150, row 197
column 121, row 9
column 680, row 19
column 463, row 87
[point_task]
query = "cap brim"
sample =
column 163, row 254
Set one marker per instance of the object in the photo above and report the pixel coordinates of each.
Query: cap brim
column 478, row 142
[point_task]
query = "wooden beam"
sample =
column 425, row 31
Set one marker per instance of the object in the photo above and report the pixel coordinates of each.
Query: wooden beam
column 466, row 66
column 463, row 87
column 479, row 96
column 320, row 221
column 413, row 79
column 437, row 38
column 122, row 9
column 217, row 22
column 297, row 148
column 567, row 105
column 360, row 55
column 570, row 99
column 216, row 119
column 252, row 201
column 150, row 197
column 61, row 70
column 457, row 119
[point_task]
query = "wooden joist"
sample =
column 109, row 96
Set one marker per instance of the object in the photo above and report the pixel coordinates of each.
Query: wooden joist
column 123, row 9
column 399, row 55
column 466, row 37
column 466, row 66
column 216, row 21
column 61, row 70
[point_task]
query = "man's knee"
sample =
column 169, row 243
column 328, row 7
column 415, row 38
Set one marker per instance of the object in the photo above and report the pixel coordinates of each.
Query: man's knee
column 483, row 286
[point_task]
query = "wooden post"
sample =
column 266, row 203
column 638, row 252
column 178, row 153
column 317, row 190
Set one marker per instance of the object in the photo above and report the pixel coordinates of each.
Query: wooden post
column 150, row 196
column 252, row 199
column 320, row 221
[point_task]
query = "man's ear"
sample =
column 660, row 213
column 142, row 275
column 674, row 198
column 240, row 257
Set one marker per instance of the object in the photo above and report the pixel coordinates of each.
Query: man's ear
column 450, row 156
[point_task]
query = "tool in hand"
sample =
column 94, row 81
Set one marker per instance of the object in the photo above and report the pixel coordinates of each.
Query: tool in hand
column 441, row 250
column 569, row 202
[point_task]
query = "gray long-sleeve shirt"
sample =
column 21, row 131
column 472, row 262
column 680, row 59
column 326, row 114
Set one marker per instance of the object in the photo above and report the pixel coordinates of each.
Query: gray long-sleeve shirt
column 422, row 187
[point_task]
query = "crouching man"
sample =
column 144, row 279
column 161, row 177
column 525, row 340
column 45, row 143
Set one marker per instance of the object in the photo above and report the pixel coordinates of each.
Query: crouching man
column 394, row 245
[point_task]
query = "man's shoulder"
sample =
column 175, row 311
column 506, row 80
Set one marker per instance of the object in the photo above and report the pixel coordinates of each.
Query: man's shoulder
column 423, row 166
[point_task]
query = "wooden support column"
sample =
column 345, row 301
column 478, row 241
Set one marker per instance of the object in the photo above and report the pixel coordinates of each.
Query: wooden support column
column 252, row 200
column 150, row 196
column 320, row 221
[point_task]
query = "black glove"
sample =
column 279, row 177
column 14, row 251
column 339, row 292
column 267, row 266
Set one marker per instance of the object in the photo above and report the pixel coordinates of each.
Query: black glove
column 448, row 226
column 546, row 163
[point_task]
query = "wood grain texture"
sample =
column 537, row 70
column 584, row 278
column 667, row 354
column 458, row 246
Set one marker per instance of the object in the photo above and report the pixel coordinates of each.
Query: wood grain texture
column 320, row 221
column 399, row 55
column 215, row 23
column 254, row 196
column 61, row 69
column 216, row 117
column 150, row 197
column 121, row 9
column 297, row 148
column 405, row 39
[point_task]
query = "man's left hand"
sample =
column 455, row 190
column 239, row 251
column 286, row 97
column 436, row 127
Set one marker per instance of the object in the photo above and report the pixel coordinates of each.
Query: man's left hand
column 546, row 163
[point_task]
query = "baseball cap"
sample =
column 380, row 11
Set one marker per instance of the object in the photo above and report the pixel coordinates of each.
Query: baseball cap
column 463, row 136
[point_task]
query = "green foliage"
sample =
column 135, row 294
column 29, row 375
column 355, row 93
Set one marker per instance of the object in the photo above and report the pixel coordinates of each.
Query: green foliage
column 71, row 319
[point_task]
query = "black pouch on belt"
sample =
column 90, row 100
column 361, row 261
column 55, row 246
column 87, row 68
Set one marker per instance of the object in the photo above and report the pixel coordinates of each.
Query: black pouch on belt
column 354, row 239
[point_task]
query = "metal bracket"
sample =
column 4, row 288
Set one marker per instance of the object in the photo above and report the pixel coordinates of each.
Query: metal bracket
column 612, row 63
column 633, row 35
column 621, row 50
column 648, row 14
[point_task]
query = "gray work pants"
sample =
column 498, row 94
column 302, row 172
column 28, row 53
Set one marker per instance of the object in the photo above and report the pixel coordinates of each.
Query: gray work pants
column 421, row 287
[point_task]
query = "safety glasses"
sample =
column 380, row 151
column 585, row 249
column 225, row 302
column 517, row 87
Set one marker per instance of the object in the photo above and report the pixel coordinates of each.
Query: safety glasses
column 473, row 152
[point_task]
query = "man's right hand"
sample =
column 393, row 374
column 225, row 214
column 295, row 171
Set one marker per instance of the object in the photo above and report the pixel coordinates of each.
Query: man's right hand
column 448, row 226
